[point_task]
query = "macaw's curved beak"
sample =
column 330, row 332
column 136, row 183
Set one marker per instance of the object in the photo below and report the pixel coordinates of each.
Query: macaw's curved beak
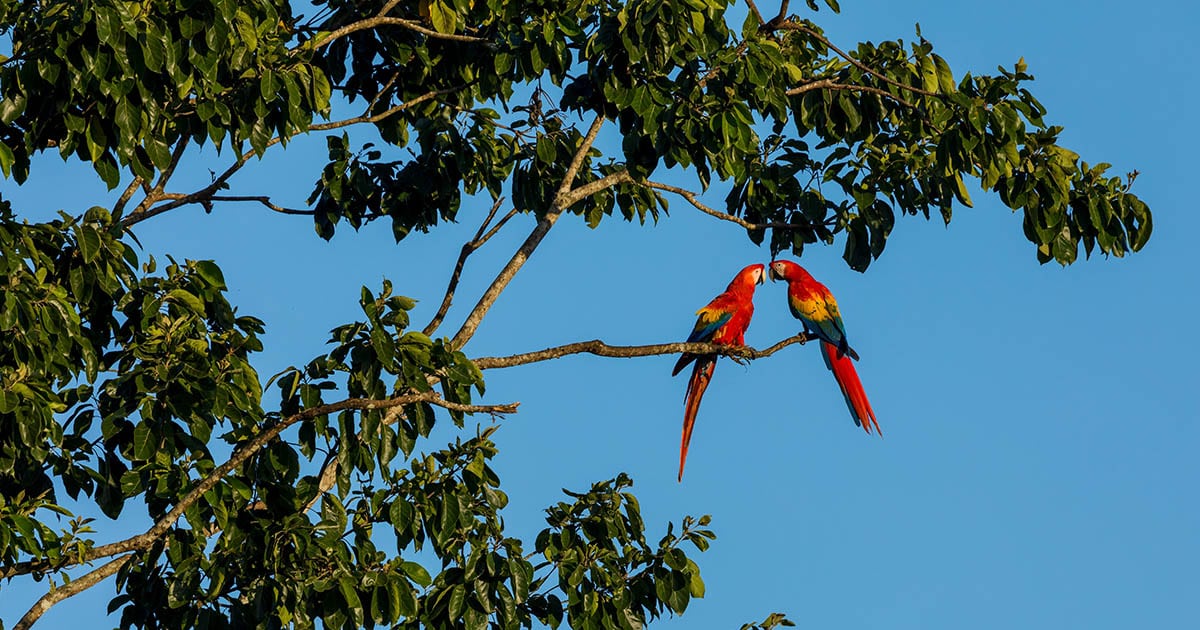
column 761, row 278
column 771, row 272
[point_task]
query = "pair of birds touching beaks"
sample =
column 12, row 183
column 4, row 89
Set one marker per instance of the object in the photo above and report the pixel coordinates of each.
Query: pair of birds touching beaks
column 725, row 319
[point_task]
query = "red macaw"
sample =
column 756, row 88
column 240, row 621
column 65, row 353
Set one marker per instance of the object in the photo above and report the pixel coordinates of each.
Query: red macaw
column 813, row 304
column 723, row 321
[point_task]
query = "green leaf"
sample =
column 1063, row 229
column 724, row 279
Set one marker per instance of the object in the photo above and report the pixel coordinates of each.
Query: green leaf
column 89, row 243
column 944, row 75
column 6, row 159
column 211, row 273
column 458, row 597
column 443, row 16
column 417, row 573
column 186, row 299
column 350, row 594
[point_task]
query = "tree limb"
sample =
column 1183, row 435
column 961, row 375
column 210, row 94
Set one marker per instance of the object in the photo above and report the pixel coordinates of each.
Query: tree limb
column 264, row 200
column 374, row 22
column 830, row 84
column 239, row 456
column 468, row 248
column 382, row 19
column 693, row 199
column 587, row 190
column 204, row 195
column 74, row 587
column 599, row 348
column 755, row 11
column 531, row 243
column 127, row 195
column 788, row 25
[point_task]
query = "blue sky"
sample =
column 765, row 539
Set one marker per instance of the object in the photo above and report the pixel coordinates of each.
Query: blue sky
column 1038, row 464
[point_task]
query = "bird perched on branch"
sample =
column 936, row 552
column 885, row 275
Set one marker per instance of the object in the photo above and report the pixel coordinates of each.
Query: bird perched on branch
column 813, row 304
column 723, row 321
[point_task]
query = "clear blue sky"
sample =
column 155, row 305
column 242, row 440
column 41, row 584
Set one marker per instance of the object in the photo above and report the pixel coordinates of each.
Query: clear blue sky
column 1039, row 464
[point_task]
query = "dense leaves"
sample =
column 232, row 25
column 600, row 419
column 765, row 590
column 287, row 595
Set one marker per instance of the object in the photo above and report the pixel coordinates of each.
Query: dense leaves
column 123, row 386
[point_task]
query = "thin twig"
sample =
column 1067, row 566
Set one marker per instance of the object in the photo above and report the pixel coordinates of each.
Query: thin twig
column 830, row 84
column 693, row 199
column 599, row 348
column 796, row 26
column 531, row 242
column 370, row 23
column 263, row 199
column 205, row 194
column 239, row 456
column 468, row 248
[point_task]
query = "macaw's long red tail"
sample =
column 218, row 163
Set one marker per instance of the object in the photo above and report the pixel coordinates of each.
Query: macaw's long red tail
column 701, row 375
column 852, row 389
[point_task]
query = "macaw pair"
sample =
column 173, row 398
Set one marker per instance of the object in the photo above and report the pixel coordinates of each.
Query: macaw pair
column 725, row 319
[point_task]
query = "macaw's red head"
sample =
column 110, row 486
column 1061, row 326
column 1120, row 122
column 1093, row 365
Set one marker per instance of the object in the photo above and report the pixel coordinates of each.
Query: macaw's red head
column 745, row 280
column 789, row 271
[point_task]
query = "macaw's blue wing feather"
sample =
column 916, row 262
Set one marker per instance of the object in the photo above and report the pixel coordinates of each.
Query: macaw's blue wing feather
column 707, row 324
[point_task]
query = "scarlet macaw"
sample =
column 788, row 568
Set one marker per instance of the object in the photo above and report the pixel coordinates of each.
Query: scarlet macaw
column 723, row 321
column 813, row 304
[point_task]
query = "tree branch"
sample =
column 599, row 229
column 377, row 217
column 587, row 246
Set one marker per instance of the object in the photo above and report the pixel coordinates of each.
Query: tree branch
column 381, row 19
column 693, row 199
column 755, row 11
column 127, row 195
column 239, row 456
column 374, row 22
column 599, row 348
column 531, row 243
column 788, row 25
column 830, row 84
column 593, row 187
column 205, row 195
column 264, row 200
column 576, row 161
column 467, row 249
column 155, row 194
column 74, row 587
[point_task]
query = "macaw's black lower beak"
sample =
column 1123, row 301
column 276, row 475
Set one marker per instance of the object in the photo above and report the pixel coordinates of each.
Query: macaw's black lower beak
column 771, row 272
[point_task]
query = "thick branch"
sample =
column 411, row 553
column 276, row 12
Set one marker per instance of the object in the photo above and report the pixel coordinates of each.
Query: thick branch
column 74, row 587
column 240, row 455
column 531, row 243
column 576, row 161
column 599, row 348
column 155, row 194
column 468, row 248
column 693, row 199
column 755, row 11
column 593, row 187
column 127, row 195
column 787, row 25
